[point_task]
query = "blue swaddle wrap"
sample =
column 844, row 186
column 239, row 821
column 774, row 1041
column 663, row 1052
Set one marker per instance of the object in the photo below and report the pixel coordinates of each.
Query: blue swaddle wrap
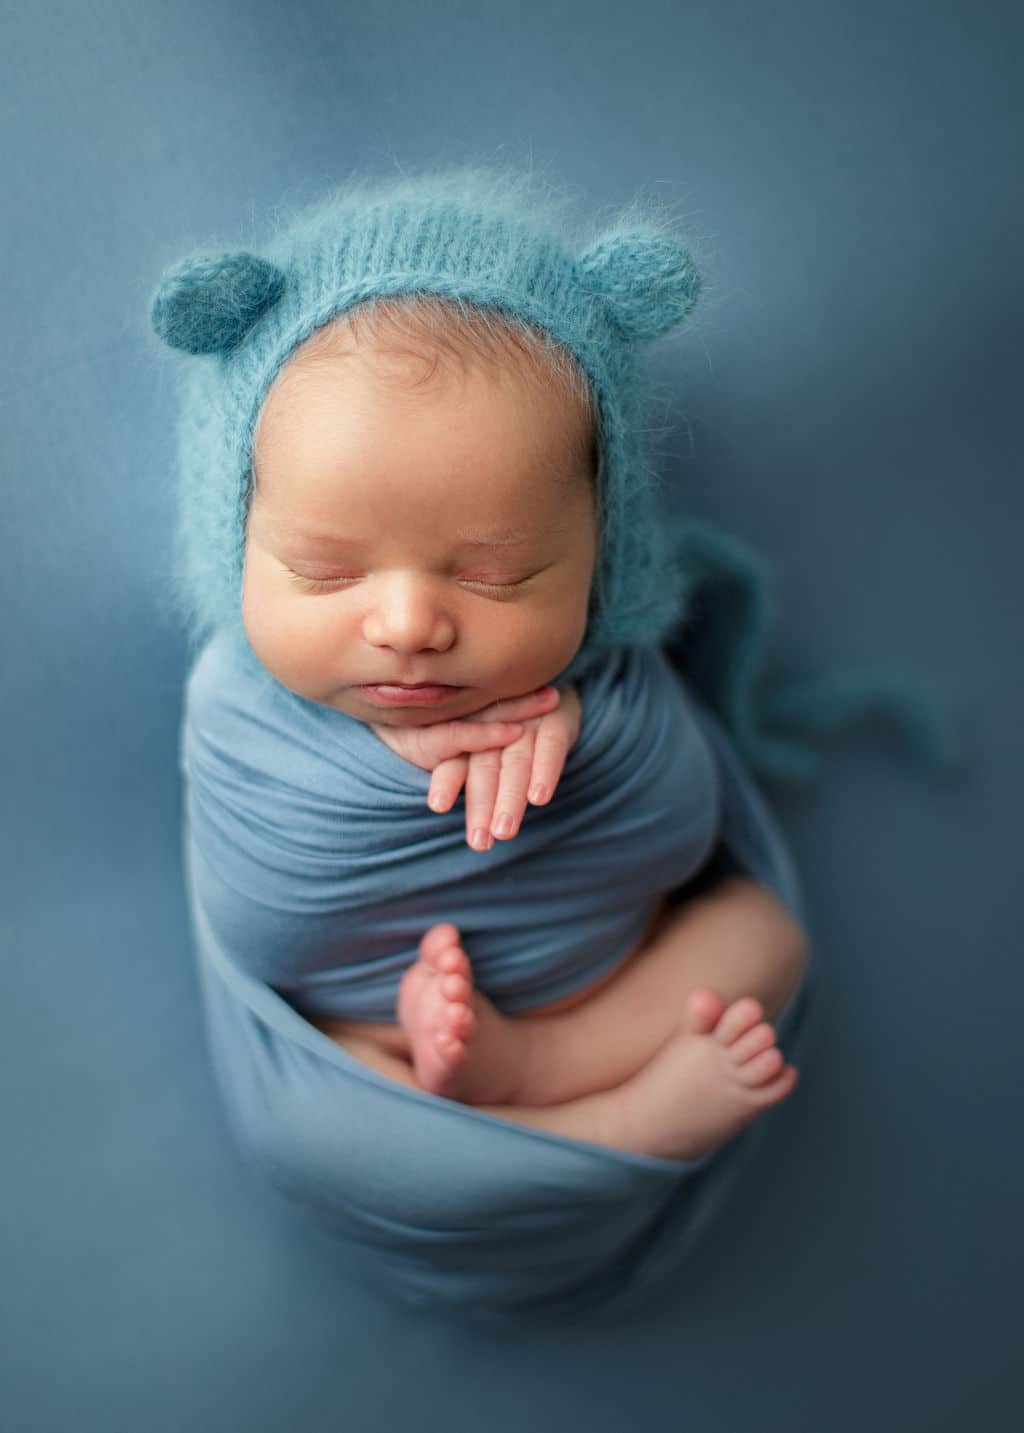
column 314, row 867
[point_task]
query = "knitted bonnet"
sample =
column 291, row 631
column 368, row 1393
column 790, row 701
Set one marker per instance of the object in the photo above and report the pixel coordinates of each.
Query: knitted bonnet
column 497, row 240
column 467, row 234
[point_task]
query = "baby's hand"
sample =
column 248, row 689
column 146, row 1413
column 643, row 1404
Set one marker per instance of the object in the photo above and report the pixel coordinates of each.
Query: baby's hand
column 495, row 726
column 498, row 782
column 510, row 750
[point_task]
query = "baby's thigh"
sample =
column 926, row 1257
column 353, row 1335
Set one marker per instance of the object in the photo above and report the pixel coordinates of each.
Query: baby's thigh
column 369, row 1052
column 391, row 1039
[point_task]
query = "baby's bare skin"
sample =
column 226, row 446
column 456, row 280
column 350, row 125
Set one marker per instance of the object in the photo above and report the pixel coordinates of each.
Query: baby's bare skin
column 671, row 1057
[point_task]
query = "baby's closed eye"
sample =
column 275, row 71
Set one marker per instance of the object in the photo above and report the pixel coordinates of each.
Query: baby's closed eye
column 496, row 585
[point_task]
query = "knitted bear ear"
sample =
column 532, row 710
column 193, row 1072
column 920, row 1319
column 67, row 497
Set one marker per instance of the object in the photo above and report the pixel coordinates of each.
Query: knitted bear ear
column 206, row 303
column 649, row 282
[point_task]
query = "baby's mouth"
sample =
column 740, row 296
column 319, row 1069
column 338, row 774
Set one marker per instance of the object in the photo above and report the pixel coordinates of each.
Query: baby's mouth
column 422, row 694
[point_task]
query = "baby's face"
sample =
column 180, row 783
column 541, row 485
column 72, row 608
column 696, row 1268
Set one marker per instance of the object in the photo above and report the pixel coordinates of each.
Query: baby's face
column 443, row 534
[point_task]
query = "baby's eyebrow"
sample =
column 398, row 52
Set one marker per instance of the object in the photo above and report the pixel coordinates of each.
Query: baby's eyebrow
column 507, row 537
column 476, row 538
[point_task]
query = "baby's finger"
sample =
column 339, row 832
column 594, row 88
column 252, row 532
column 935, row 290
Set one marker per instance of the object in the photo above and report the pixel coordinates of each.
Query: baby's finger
column 549, row 753
column 517, row 763
column 481, row 789
column 447, row 781
column 443, row 740
column 521, row 708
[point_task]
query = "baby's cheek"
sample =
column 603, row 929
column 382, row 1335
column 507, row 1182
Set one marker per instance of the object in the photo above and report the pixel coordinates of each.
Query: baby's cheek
column 252, row 609
column 559, row 631
column 541, row 648
column 310, row 651
column 277, row 634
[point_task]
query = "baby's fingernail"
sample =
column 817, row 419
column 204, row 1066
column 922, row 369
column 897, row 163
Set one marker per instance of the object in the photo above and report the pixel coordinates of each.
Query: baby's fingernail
column 482, row 840
column 538, row 795
column 504, row 825
column 436, row 802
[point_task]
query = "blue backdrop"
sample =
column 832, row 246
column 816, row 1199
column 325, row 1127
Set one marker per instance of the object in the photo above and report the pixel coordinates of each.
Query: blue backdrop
column 845, row 401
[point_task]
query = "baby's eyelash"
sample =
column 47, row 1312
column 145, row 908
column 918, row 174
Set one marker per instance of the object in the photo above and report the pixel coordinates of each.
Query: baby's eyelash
column 320, row 584
column 316, row 583
column 498, row 587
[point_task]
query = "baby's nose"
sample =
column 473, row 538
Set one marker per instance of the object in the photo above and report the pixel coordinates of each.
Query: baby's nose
column 409, row 615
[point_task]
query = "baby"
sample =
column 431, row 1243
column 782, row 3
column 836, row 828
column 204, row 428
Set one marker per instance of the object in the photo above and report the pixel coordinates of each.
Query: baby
column 420, row 553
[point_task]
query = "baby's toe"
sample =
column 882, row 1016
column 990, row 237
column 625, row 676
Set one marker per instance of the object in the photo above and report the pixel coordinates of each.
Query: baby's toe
column 741, row 1016
column 761, row 1068
column 772, row 1091
column 762, row 1037
column 449, row 1045
column 456, row 988
column 461, row 1022
column 454, row 1030
column 704, row 1007
column 438, row 939
column 454, row 961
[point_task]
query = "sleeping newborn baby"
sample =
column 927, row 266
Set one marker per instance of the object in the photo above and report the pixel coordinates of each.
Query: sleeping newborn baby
column 419, row 557
column 495, row 935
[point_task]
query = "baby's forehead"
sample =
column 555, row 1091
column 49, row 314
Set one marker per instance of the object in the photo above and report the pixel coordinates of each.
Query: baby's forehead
column 402, row 376
column 315, row 414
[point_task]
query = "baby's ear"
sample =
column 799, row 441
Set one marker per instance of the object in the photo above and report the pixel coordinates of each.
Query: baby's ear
column 206, row 303
column 649, row 281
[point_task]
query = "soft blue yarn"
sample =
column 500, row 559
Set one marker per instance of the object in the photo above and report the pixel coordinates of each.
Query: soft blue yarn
column 501, row 239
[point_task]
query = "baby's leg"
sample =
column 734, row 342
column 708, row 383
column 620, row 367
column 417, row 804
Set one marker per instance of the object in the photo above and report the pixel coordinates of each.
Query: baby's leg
column 597, row 1118
column 738, row 939
column 708, row 1082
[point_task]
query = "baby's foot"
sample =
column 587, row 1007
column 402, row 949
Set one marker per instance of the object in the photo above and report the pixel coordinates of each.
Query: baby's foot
column 708, row 1082
column 461, row 1046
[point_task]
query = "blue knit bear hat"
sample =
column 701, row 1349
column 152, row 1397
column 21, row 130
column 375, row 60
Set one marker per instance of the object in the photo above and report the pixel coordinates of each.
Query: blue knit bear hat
column 486, row 238
column 505, row 241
